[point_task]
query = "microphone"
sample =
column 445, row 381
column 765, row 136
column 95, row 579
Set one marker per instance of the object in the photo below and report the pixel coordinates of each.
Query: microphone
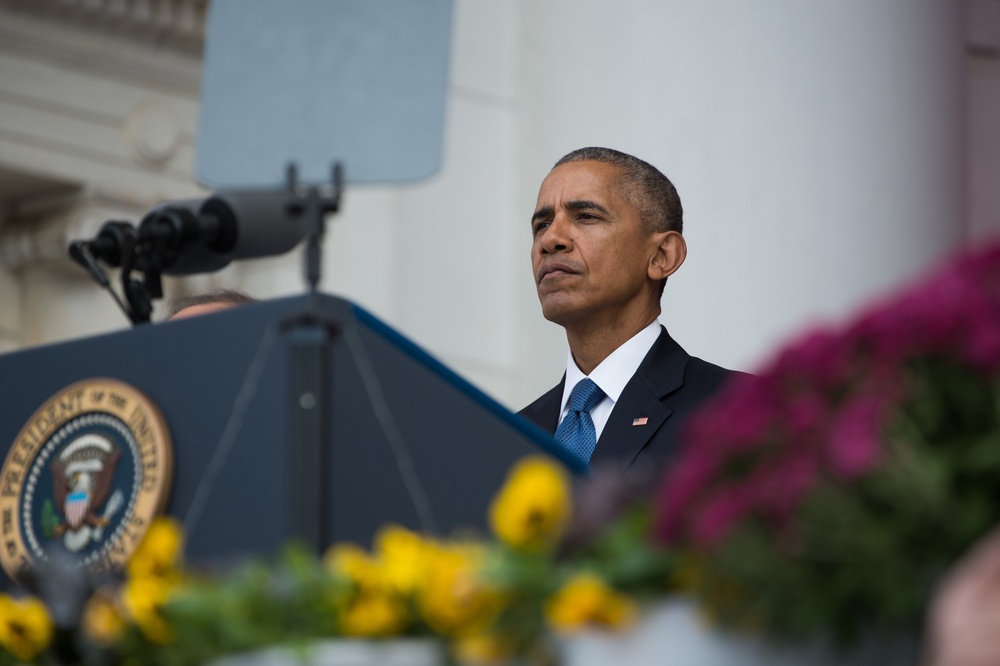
column 179, row 240
column 106, row 246
column 264, row 222
column 203, row 236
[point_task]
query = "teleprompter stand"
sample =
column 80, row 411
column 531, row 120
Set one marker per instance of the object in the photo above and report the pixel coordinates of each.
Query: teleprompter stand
column 308, row 335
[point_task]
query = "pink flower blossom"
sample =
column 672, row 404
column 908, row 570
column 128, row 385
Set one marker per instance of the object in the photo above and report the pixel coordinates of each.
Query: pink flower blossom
column 855, row 444
column 686, row 481
column 983, row 347
column 714, row 520
column 804, row 414
column 820, row 408
column 751, row 407
column 781, row 484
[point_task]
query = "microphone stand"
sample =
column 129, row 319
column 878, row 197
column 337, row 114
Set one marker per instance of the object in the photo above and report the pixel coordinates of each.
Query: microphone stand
column 79, row 251
column 118, row 242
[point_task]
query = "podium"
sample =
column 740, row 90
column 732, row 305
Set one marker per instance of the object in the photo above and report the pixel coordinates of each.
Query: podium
column 272, row 438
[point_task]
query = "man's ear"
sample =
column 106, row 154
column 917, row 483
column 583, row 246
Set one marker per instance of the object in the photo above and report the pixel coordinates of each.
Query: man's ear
column 670, row 254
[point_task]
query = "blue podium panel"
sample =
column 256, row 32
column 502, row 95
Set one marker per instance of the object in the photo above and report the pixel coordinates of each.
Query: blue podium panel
column 407, row 440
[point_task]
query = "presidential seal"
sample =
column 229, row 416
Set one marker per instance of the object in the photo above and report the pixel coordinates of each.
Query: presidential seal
column 89, row 471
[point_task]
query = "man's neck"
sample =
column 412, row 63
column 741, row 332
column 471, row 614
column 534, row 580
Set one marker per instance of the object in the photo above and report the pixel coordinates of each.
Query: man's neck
column 592, row 344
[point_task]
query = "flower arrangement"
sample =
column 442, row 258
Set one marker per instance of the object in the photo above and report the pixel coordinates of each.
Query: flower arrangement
column 842, row 480
column 486, row 599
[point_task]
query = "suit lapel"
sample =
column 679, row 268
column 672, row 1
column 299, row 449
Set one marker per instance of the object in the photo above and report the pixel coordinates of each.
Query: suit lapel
column 660, row 373
column 545, row 411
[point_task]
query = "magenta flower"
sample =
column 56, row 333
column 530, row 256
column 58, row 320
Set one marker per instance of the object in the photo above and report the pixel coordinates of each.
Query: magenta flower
column 819, row 410
column 983, row 346
column 714, row 520
column 689, row 479
column 855, row 444
column 801, row 452
column 805, row 413
column 781, row 484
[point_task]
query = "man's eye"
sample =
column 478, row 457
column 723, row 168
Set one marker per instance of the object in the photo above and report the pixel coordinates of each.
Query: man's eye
column 540, row 226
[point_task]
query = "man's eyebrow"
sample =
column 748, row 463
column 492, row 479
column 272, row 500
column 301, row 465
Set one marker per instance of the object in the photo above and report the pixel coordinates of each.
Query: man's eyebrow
column 576, row 204
column 583, row 204
column 541, row 213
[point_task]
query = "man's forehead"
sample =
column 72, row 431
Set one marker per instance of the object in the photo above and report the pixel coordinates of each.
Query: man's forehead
column 584, row 177
column 201, row 309
column 582, row 180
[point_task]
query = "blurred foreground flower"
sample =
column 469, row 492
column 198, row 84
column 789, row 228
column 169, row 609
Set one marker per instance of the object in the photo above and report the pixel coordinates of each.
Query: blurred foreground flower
column 532, row 509
column 153, row 575
column 483, row 649
column 144, row 599
column 455, row 599
column 403, row 557
column 835, row 486
column 354, row 564
column 373, row 607
column 25, row 627
column 104, row 622
column 159, row 554
column 586, row 602
column 484, row 598
column 373, row 614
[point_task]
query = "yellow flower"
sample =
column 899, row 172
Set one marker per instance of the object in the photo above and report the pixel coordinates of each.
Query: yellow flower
column 373, row 614
column 103, row 622
column 25, row 627
column 586, row 601
column 483, row 649
column 402, row 557
column 144, row 598
column 159, row 552
column 533, row 507
column 453, row 598
column 352, row 562
column 374, row 608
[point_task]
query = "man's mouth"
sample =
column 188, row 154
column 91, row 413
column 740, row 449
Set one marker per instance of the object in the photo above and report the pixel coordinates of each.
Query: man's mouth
column 553, row 271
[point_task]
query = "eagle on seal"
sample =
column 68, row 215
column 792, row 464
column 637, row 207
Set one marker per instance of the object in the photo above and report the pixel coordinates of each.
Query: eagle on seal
column 82, row 475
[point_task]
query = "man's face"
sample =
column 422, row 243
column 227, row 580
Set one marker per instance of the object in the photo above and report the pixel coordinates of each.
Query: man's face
column 591, row 253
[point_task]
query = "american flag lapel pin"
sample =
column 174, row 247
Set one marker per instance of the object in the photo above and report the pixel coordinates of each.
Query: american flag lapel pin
column 640, row 421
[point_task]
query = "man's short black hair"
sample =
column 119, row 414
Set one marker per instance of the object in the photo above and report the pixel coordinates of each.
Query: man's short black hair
column 648, row 190
column 229, row 297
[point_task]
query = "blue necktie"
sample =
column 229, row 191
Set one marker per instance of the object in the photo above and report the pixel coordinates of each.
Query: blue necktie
column 576, row 432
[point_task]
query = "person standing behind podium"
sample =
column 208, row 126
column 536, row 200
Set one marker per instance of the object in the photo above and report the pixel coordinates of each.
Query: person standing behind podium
column 213, row 301
column 607, row 235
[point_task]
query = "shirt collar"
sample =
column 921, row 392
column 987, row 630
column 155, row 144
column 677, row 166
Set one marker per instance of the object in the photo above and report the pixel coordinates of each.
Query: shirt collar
column 617, row 369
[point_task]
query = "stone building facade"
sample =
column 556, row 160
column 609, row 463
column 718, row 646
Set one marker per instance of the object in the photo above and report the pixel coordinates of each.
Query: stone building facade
column 824, row 152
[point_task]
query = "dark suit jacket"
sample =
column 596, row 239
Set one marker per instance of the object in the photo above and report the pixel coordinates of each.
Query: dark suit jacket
column 666, row 388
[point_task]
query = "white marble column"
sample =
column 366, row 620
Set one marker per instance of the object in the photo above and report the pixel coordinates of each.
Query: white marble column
column 817, row 147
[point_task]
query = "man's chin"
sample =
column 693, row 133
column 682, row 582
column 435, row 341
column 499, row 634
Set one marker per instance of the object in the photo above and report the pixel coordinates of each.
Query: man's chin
column 560, row 312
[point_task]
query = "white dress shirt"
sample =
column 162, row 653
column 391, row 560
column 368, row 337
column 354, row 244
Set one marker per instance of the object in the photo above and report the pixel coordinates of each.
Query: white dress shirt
column 611, row 375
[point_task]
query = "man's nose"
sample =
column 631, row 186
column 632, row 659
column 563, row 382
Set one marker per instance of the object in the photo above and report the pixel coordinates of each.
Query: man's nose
column 557, row 237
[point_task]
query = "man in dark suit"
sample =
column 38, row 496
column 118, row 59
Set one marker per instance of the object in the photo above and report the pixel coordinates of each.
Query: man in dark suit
column 607, row 235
